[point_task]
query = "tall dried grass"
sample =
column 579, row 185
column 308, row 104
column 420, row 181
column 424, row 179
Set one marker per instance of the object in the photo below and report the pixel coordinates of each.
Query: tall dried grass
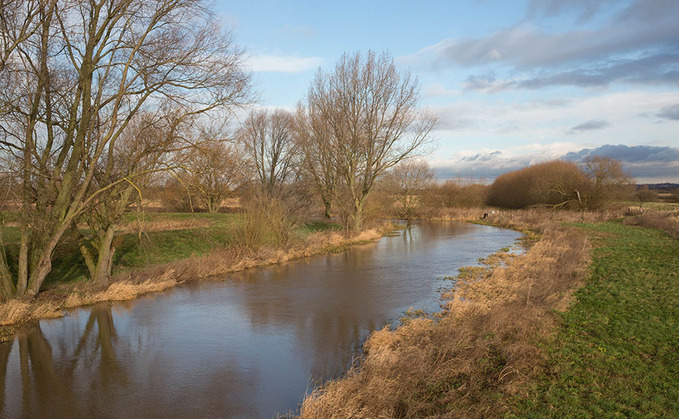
column 665, row 221
column 17, row 311
column 479, row 352
column 162, row 225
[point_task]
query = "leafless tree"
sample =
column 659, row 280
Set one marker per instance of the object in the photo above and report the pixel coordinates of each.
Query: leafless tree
column 144, row 148
column 371, row 113
column 78, row 80
column 407, row 180
column 313, row 140
column 607, row 181
column 269, row 148
column 213, row 171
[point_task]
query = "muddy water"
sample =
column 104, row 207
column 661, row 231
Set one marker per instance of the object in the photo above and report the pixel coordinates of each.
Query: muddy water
column 247, row 347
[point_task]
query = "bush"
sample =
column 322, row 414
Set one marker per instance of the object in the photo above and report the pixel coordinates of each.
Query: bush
column 555, row 183
column 644, row 194
column 266, row 221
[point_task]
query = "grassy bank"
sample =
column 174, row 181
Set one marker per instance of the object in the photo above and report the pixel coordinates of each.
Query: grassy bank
column 517, row 339
column 163, row 250
column 616, row 351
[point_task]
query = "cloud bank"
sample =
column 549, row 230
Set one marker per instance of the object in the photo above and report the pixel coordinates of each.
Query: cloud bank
column 637, row 44
column 647, row 164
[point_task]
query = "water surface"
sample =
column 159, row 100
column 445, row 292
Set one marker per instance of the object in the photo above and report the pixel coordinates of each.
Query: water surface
column 246, row 347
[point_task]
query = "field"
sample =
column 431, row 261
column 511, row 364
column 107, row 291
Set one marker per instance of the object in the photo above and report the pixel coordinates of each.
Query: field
column 616, row 349
column 155, row 238
column 584, row 323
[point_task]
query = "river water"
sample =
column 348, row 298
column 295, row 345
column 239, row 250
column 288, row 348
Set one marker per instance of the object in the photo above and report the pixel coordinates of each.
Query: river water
column 250, row 346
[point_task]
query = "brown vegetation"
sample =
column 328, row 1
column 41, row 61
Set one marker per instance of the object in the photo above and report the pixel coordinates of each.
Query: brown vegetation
column 552, row 183
column 480, row 351
column 561, row 184
column 80, row 134
column 667, row 222
column 363, row 119
column 456, row 194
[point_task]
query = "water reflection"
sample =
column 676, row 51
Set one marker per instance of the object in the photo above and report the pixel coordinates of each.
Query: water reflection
column 47, row 376
column 246, row 347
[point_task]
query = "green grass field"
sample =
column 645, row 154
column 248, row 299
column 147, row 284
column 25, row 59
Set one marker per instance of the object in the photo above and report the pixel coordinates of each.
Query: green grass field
column 616, row 353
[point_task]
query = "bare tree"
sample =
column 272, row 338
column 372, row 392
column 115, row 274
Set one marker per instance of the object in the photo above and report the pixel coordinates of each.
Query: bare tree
column 143, row 149
column 213, row 171
column 370, row 112
column 78, row 81
column 313, row 139
column 407, row 180
column 269, row 148
column 607, row 181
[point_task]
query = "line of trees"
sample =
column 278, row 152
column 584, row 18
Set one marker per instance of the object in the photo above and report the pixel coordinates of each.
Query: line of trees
column 99, row 97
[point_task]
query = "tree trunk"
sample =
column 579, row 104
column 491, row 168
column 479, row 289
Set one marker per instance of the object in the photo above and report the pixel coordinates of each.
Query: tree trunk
column 106, row 251
column 22, row 275
column 87, row 256
column 358, row 216
column 212, row 205
column 327, row 204
column 7, row 288
column 44, row 264
column 39, row 274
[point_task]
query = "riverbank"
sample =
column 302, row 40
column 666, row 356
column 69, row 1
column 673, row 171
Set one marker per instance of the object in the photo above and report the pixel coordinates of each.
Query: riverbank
column 207, row 258
column 507, row 343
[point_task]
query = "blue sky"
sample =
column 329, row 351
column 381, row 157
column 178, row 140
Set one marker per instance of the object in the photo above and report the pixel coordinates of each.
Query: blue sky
column 512, row 82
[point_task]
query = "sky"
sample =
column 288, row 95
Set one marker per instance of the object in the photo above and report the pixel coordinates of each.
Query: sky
column 512, row 82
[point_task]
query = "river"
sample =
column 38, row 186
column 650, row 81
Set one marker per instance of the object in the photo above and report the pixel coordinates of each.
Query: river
column 249, row 346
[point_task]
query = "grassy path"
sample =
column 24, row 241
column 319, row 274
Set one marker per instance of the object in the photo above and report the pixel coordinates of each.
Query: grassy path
column 617, row 351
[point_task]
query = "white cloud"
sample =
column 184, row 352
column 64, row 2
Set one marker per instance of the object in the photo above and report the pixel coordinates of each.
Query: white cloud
column 539, row 121
column 439, row 90
column 635, row 45
column 282, row 63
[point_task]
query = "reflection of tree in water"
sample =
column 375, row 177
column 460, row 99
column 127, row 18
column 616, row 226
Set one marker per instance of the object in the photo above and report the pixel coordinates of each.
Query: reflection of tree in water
column 47, row 383
column 42, row 391
column 87, row 372
column 99, row 345
column 334, row 303
column 331, row 314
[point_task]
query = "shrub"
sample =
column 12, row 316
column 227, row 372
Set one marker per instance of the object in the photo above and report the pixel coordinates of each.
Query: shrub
column 644, row 194
column 555, row 183
column 266, row 221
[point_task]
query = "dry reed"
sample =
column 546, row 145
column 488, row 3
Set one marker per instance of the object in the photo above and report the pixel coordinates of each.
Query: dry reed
column 162, row 225
column 665, row 221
